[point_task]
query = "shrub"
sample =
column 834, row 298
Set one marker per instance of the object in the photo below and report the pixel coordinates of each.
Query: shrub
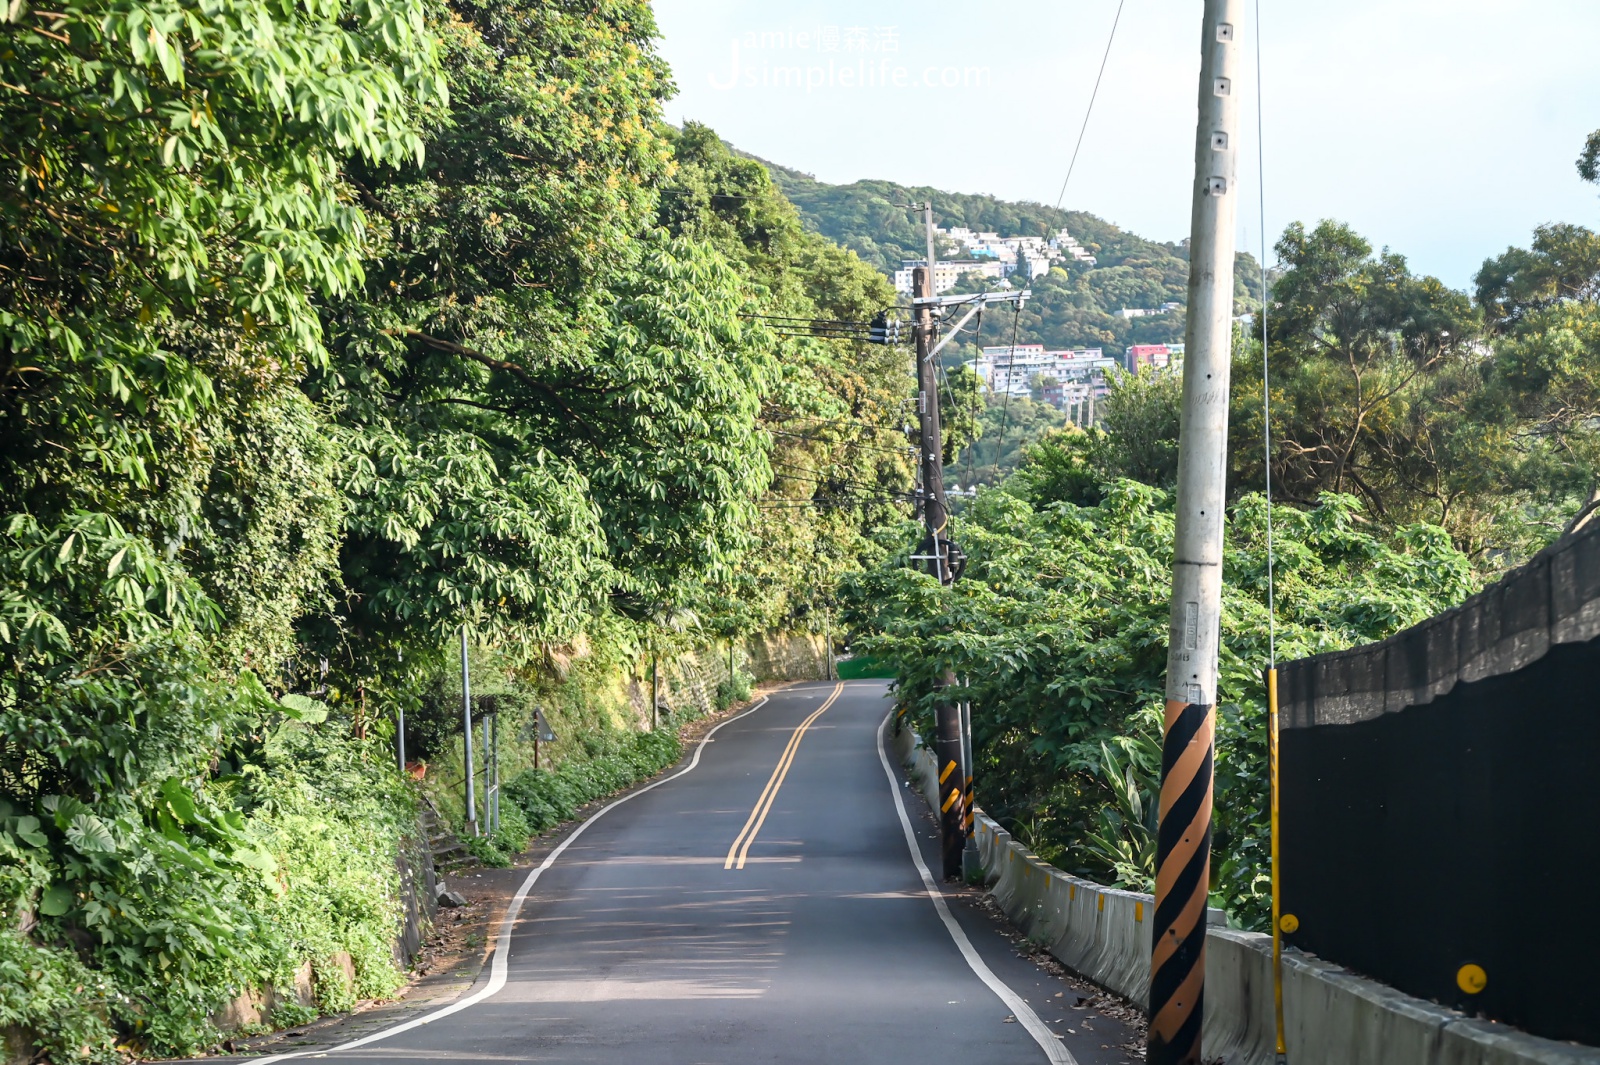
column 549, row 797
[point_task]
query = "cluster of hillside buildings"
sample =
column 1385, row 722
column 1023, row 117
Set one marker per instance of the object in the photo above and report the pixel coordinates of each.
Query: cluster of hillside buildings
column 1073, row 379
column 991, row 255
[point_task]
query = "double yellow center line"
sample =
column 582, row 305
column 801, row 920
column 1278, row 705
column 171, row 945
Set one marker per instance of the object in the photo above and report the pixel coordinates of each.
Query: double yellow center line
column 747, row 835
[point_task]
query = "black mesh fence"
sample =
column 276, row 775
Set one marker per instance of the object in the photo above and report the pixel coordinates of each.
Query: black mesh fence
column 1441, row 801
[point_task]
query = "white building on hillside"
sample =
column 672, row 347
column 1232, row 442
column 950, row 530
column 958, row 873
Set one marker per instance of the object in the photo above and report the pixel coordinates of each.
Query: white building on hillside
column 1012, row 370
column 947, row 272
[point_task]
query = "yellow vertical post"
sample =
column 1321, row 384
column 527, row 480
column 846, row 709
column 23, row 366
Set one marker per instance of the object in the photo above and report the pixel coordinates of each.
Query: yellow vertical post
column 1277, row 928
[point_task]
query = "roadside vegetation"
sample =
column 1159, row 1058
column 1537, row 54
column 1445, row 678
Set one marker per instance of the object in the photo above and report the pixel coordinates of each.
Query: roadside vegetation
column 1424, row 440
column 325, row 331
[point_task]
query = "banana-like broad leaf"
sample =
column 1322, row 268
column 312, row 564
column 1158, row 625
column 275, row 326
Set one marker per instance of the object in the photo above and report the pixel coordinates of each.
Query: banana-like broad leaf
column 55, row 901
column 89, row 835
column 304, row 708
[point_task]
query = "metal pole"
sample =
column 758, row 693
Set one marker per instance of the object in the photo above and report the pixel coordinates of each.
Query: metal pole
column 827, row 646
column 933, row 498
column 1183, row 840
column 655, row 691
column 488, row 780
column 466, row 735
column 971, row 861
column 1277, row 901
column 400, row 735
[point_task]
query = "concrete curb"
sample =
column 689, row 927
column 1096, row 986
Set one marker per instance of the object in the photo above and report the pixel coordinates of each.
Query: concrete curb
column 1331, row 1016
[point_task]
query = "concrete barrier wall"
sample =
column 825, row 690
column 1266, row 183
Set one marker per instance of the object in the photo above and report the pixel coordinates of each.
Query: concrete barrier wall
column 1331, row 1016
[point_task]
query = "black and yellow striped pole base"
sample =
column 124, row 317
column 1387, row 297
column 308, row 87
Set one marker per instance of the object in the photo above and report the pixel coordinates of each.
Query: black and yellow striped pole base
column 952, row 788
column 1183, row 875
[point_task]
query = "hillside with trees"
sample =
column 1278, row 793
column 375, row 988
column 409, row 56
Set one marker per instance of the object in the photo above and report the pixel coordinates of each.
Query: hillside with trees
column 1075, row 305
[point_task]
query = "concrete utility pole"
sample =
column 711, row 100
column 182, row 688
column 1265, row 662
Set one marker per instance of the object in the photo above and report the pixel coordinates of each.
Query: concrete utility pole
column 1183, row 842
column 466, row 734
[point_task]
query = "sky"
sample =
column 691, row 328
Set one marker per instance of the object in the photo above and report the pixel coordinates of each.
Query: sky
column 1445, row 130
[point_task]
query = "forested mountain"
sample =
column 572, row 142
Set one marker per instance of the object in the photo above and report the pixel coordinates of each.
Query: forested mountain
column 1073, row 306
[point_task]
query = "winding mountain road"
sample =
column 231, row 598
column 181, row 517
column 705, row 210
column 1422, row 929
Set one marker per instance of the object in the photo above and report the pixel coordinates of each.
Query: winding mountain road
column 762, row 905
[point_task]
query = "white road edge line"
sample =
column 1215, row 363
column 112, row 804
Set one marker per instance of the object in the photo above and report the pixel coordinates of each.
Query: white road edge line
column 502, row 950
column 1053, row 1049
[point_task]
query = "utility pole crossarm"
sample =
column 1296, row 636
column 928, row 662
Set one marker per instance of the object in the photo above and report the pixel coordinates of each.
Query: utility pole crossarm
column 982, row 298
column 974, row 303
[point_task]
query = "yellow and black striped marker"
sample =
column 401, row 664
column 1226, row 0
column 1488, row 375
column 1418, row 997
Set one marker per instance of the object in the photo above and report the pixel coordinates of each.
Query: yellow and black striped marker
column 952, row 787
column 747, row 835
column 1183, row 875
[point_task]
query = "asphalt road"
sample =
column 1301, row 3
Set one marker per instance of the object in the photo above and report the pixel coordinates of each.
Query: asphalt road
column 645, row 942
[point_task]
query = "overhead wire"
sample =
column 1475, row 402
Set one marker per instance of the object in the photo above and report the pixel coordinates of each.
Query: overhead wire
column 1266, row 367
column 944, row 377
column 1005, row 410
column 1090, row 109
column 852, row 421
column 977, row 399
column 1274, row 762
column 856, row 444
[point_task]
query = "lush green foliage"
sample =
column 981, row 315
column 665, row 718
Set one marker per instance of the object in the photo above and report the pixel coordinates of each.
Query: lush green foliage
column 1058, row 632
column 187, row 889
column 1006, row 429
column 1473, row 414
column 835, row 416
column 1421, row 438
column 548, row 798
column 324, row 330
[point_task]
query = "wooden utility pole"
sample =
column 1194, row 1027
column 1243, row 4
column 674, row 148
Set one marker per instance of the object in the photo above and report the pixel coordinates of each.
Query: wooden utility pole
column 934, row 514
column 1183, row 841
column 948, row 745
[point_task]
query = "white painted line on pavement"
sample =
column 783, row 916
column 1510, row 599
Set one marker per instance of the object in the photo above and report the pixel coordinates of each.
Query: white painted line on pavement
column 502, row 950
column 1058, row 1054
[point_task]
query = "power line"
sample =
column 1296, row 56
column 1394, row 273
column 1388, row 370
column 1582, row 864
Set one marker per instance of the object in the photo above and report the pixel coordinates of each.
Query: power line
column 1005, row 410
column 977, row 394
column 833, row 504
column 1090, row 110
column 854, row 421
column 1266, row 367
column 856, row 444
column 836, row 484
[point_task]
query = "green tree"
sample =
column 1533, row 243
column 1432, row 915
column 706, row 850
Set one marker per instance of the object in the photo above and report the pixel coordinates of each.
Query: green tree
column 549, row 404
column 1059, row 629
column 835, row 411
column 1543, row 306
column 174, row 211
column 1373, row 370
